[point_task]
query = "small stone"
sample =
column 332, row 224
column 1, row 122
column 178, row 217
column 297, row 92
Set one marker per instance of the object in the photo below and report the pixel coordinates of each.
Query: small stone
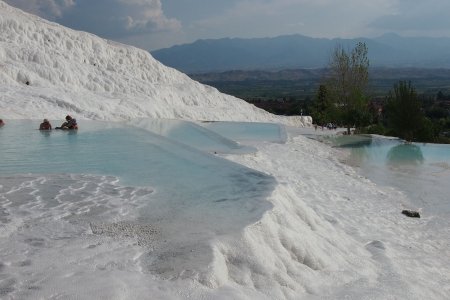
column 411, row 213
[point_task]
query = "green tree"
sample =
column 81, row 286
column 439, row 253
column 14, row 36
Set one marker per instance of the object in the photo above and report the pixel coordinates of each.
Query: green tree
column 348, row 80
column 404, row 114
column 324, row 109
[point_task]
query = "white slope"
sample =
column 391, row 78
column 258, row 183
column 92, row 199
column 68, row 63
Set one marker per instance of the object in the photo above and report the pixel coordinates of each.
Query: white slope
column 333, row 234
column 47, row 70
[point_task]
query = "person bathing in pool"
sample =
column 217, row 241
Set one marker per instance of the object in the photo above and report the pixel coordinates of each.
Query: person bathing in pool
column 45, row 125
column 70, row 124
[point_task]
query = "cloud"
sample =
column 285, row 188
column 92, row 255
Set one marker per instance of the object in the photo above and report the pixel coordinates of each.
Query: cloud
column 320, row 18
column 147, row 15
column 107, row 18
column 46, row 8
column 416, row 16
column 150, row 23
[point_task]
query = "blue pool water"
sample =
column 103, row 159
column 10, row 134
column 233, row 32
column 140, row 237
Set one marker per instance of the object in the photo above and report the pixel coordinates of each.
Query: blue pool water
column 197, row 194
column 193, row 135
column 422, row 171
column 249, row 131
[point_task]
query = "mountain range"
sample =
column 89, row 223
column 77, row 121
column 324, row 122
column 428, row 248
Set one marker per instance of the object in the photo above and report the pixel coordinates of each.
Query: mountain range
column 299, row 51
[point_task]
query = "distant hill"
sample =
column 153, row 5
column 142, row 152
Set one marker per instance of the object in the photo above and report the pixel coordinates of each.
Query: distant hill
column 298, row 51
column 318, row 74
column 303, row 83
column 260, row 75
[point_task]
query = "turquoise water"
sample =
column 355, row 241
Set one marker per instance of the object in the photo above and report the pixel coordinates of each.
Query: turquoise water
column 193, row 135
column 192, row 187
column 249, row 131
column 422, row 171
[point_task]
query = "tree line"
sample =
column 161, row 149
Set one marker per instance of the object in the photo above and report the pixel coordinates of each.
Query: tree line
column 343, row 99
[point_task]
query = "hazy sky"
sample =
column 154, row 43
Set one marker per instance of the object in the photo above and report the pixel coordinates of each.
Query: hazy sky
column 154, row 24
